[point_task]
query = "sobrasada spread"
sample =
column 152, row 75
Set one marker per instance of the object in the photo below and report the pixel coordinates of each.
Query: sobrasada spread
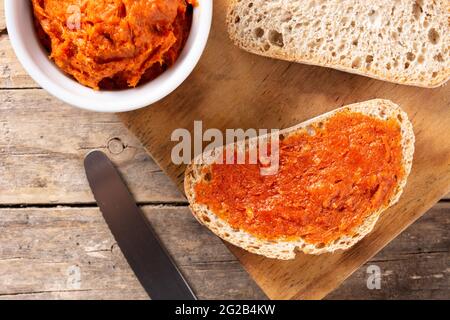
column 327, row 184
column 113, row 43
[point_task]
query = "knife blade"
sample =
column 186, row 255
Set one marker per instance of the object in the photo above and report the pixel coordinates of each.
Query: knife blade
column 142, row 248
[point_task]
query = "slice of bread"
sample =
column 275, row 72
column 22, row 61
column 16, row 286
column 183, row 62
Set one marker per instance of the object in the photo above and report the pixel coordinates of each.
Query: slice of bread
column 381, row 109
column 401, row 41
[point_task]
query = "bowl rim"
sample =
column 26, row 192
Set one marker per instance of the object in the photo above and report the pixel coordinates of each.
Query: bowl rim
column 71, row 92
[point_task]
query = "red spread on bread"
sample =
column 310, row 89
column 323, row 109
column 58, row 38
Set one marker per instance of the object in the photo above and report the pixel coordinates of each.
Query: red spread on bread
column 327, row 184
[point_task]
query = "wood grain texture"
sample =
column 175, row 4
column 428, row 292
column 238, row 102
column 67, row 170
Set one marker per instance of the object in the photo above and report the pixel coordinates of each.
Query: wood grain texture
column 12, row 74
column 420, row 276
column 417, row 262
column 69, row 253
column 41, row 160
column 2, row 17
column 234, row 89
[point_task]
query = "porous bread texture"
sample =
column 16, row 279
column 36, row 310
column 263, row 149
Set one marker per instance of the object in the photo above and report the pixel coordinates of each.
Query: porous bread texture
column 402, row 41
column 282, row 249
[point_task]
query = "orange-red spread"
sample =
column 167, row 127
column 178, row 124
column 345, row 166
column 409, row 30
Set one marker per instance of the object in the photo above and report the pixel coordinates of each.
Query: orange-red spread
column 327, row 183
column 113, row 43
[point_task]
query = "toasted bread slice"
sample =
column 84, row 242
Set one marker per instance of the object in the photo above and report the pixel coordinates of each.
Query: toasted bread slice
column 405, row 41
column 282, row 249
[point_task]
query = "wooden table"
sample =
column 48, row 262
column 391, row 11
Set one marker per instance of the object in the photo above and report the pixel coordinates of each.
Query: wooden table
column 54, row 243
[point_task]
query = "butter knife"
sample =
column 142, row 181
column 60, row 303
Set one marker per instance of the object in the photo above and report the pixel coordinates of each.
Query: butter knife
column 145, row 253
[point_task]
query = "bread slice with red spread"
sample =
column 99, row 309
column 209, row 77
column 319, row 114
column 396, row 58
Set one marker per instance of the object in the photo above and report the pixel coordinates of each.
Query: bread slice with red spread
column 337, row 173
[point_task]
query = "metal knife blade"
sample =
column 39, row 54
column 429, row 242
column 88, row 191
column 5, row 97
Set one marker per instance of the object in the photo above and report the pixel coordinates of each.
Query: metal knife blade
column 139, row 243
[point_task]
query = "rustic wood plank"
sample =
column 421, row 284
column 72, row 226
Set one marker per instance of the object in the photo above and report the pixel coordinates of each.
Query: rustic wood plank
column 414, row 266
column 431, row 234
column 12, row 74
column 69, row 253
column 2, row 17
column 42, row 145
column 421, row 276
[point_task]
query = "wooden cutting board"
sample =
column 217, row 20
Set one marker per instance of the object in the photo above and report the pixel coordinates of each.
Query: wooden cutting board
column 233, row 89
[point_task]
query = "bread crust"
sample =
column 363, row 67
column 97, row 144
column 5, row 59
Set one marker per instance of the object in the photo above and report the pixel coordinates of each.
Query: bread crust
column 279, row 53
column 285, row 250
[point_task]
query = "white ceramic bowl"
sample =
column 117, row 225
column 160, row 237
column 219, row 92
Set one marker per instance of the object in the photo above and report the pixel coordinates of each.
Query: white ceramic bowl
column 34, row 59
